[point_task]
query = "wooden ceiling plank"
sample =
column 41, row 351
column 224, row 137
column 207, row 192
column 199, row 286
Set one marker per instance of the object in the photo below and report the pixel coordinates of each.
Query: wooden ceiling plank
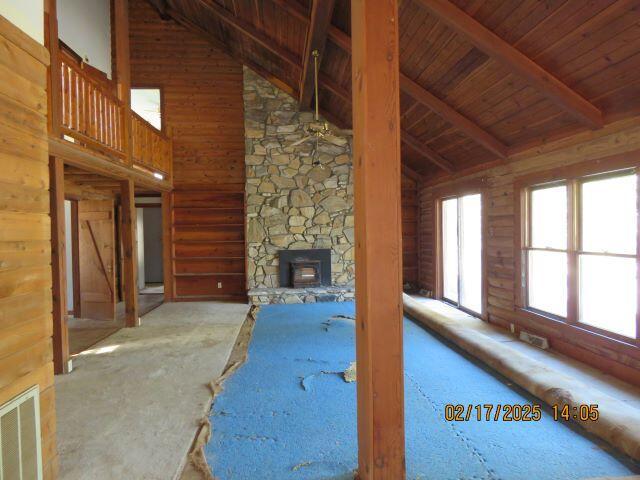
column 321, row 13
column 453, row 117
column 408, row 139
column 161, row 6
column 427, row 152
column 294, row 9
column 248, row 30
column 189, row 25
column 412, row 174
column 420, row 94
column 494, row 46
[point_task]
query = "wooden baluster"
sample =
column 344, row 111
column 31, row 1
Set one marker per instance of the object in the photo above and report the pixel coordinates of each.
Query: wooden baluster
column 70, row 93
column 78, row 101
column 98, row 116
column 87, row 106
column 109, row 122
column 80, row 87
column 103, row 117
column 117, row 127
column 110, row 130
column 92, row 111
column 65, row 95
column 114, row 128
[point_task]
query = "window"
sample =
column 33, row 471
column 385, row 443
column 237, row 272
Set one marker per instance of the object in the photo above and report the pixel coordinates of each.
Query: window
column 462, row 251
column 146, row 102
column 580, row 252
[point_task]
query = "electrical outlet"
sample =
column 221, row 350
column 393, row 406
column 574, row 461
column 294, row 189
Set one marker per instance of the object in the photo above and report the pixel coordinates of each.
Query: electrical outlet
column 219, row 284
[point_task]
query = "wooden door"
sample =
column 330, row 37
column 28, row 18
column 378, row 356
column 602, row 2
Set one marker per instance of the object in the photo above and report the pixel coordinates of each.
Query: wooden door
column 96, row 253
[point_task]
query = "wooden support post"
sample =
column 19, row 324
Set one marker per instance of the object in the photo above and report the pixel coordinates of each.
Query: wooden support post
column 123, row 70
column 129, row 253
column 378, row 223
column 167, row 246
column 58, row 266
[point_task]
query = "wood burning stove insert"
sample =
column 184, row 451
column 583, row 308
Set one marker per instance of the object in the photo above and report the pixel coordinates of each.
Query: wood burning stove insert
column 306, row 273
column 305, row 268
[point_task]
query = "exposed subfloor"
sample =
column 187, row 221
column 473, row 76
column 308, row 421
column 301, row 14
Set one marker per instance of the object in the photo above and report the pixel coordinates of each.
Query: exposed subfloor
column 85, row 332
column 288, row 412
column 134, row 401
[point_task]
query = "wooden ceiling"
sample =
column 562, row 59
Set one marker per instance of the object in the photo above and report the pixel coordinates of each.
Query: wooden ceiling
column 82, row 184
column 481, row 79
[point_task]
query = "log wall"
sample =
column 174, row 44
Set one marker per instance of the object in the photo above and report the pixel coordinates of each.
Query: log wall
column 410, row 217
column 26, row 356
column 202, row 105
column 617, row 358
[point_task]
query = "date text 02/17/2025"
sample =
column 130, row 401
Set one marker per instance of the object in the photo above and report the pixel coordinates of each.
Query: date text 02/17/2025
column 526, row 412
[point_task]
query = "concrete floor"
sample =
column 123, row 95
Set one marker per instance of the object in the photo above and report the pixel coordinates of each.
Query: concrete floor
column 132, row 405
column 593, row 377
column 86, row 332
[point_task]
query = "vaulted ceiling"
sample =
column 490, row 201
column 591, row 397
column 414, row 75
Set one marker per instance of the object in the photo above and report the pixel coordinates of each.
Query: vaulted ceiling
column 480, row 79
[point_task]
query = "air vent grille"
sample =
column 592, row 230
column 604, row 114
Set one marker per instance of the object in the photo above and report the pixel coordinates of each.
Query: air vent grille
column 20, row 450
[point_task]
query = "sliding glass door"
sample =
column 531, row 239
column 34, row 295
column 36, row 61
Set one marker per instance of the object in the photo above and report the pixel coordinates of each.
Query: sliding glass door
column 462, row 251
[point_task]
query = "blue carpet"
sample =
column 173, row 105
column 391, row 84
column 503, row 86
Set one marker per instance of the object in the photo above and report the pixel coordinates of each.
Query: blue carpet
column 288, row 413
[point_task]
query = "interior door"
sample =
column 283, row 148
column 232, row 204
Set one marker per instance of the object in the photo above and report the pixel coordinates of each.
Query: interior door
column 97, row 255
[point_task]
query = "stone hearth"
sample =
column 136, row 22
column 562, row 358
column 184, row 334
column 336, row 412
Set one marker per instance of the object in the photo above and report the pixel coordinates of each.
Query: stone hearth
column 263, row 296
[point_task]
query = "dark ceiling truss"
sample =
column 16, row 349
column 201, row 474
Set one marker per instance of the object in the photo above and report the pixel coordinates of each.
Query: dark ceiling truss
column 321, row 12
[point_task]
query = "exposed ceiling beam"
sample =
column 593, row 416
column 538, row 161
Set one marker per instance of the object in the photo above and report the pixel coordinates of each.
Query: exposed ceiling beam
column 445, row 111
column 412, row 174
column 278, row 82
column 515, row 61
column 324, row 80
column 194, row 27
column 408, row 139
column 427, row 152
column 250, row 31
column 455, row 118
column 321, row 13
column 161, row 7
column 294, row 9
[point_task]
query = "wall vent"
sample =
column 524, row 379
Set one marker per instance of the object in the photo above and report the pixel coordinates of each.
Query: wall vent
column 20, row 449
column 535, row 340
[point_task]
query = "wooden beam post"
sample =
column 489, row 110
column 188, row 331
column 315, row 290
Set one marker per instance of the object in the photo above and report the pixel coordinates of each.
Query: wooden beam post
column 167, row 245
column 321, row 12
column 129, row 253
column 377, row 173
column 58, row 266
column 123, row 70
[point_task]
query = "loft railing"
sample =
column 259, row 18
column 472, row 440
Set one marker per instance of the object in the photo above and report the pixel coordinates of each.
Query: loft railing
column 91, row 112
column 93, row 116
column 151, row 148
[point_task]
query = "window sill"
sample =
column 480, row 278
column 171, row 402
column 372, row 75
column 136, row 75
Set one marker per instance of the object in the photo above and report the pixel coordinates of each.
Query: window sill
column 569, row 331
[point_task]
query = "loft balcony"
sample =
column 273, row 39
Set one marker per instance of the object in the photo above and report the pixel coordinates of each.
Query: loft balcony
column 92, row 126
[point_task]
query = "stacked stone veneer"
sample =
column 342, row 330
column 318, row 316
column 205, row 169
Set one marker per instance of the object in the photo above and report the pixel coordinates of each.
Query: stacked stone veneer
column 295, row 199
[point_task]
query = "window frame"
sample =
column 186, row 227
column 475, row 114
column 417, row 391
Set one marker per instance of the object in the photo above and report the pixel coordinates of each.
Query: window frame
column 472, row 187
column 573, row 177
